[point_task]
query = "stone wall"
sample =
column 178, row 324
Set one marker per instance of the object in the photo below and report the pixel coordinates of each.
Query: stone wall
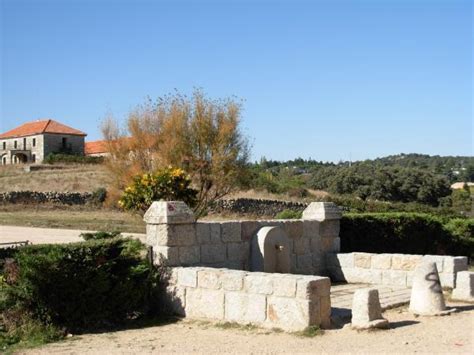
column 390, row 269
column 33, row 197
column 288, row 302
column 256, row 207
column 184, row 242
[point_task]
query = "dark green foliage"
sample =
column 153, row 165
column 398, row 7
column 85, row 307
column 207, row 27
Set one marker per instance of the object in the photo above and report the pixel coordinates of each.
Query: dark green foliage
column 53, row 158
column 82, row 286
column 99, row 196
column 100, row 235
column 409, row 233
column 289, row 214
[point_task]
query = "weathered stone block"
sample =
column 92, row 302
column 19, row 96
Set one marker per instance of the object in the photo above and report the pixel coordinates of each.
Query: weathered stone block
column 292, row 314
column 341, row 260
column 294, row 229
column 189, row 255
column 310, row 287
column 203, row 233
column 169, row 212
column 325, row 311
column 231, row 232
column 437, row 259
column 232, row 281
column 204, row 303
column 258, row 283
column 329, row 228
column 322, row 211
column 330, row 244
column 337, row 274
column 238, row 251
column 249, row 229
column 172, row 235
column 169, row 254
column 394, row 277
column 362, row 260
column 310, row 229
column 209, row 278
column 464, row 290
column 304, row 264
column 215, row 228
column 315, row 244
column 241, row 307
column 301, row 246
column 454, row 264
column 187, row 277
column 405, row 262
column 381, row 261
column 213, row 253
column 447, row 279
column 284, row 285
column 174, row 300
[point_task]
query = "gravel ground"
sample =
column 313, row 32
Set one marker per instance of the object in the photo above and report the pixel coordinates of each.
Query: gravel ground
column 408, row 334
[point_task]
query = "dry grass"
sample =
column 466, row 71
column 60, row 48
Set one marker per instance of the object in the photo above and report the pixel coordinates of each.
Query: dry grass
column 73, row 178
column 70, row 217
column 314, row 195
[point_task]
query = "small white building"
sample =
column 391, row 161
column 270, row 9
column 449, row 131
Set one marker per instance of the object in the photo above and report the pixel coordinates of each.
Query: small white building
column 33, row 141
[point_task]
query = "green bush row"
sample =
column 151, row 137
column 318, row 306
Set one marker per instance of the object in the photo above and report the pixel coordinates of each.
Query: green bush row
column 409, row 233
column 72, row 159
column 80, row 286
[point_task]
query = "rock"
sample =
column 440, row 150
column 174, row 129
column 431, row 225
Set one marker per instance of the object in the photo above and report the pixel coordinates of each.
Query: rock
column 464, row 290
column 427, row 295
column 366, row 310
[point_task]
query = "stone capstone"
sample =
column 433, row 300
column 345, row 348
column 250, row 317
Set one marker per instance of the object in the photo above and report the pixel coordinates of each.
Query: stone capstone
column 464, row 290
column 169, row 212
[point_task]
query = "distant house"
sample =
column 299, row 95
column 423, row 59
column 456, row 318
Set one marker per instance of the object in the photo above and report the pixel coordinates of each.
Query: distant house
column 33, row 141
column 96, row 149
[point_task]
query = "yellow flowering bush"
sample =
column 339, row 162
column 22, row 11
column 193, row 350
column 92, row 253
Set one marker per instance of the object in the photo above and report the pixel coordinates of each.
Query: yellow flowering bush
column 169, row 184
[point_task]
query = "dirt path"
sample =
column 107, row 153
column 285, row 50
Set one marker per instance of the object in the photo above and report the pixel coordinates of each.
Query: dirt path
column 441, row 335
column 46, row 235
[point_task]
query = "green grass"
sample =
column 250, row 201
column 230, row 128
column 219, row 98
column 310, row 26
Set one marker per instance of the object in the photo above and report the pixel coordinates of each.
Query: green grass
column 310, row 332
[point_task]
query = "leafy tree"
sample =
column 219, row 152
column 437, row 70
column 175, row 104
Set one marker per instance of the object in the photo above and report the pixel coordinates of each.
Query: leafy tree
column 197, row 134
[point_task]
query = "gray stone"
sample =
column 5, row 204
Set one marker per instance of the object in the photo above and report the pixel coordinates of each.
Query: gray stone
column 204, row 303
column 245, row 308
column 209, row 278
column 284, row 285
column 187, row 277
column 231, row 232
column 301, row 246
column 169, row 212
column 427, row 295
column 189, row 255
column 270, row 251
column 259, row 283
column 238, row 251
column 292, row 314
column 203, row 233
column 329, row 228
column 321, row 211
column 464, row 290
column 366, row 310
column 313, row 287
column 166, row 255
column 213, row 253
column 174, row 300
column 232, row 280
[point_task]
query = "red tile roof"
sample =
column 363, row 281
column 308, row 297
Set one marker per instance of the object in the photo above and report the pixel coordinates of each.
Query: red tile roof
column 96, row 147
column 39, row 127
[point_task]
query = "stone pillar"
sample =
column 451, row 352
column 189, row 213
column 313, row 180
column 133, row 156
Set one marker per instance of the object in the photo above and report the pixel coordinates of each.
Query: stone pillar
column 171, row 232
column 329, row 215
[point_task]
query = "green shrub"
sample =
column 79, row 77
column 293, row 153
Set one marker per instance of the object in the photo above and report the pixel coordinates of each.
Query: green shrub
column 409, row 233
column 82, row 286
column 53, row 158
column 170, row 184
column 100, row 235
column 99, row 195
column 289, row 214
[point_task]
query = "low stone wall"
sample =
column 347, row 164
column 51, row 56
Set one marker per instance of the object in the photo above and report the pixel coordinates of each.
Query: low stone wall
column 390, row 269
column 33, row 197
column 256, row 207
column 285, row 301
column 227, row 244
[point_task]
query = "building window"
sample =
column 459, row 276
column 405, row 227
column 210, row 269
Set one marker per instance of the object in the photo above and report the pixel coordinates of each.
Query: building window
column 4, row 145
column 4, row 160
column 15, row 144
column 24, row 143
column 33, row 158
column 64, row 142
column 34, row 142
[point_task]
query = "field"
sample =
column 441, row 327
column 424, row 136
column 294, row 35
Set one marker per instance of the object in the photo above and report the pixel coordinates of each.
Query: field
column 72, row 178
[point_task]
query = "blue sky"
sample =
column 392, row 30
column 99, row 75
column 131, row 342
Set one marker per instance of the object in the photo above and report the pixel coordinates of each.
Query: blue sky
column 328, row 80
